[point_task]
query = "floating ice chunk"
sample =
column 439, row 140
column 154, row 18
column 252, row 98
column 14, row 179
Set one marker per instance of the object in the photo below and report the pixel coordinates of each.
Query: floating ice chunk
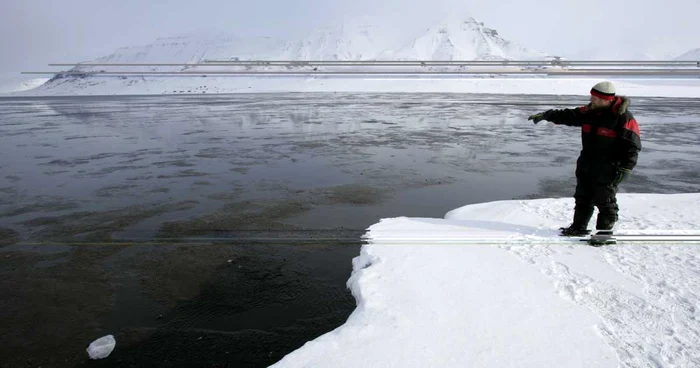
column 102, row 347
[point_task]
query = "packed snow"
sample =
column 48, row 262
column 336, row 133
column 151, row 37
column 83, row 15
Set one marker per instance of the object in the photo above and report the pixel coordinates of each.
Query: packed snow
column 492, row 285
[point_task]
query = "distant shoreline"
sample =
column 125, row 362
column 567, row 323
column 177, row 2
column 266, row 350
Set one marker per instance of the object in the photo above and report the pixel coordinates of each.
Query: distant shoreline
column 148, row 86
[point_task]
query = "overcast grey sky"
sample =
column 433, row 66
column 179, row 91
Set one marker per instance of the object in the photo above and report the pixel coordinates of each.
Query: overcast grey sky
column 34, row 33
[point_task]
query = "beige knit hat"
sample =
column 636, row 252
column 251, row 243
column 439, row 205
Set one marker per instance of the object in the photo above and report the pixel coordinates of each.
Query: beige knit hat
column 604, row 90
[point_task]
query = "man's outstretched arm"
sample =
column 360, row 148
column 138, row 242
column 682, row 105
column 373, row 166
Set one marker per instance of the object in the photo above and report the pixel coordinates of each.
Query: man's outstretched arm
column 570, row 117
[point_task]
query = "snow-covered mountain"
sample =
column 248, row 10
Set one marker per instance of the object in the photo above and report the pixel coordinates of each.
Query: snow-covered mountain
column 362, row 38
column 369, row 39
column 691, row 55
column 16, row 82
column 193, row 48
column 457, row 39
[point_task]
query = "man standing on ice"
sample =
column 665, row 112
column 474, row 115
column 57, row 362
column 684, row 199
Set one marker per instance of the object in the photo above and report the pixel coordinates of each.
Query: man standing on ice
column 610, row 146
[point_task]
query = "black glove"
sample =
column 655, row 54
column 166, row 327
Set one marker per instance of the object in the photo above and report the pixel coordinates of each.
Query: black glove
column 538, row 117
column 621, row 175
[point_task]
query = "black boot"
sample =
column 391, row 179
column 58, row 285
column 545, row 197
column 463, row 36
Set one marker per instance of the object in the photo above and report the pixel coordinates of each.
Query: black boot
column 583, row 211
column 574, row 231
column 607, row 215
column 606, row 221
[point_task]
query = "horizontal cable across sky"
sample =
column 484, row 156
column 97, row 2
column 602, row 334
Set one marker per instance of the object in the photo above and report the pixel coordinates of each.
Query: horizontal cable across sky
column 619, row 72
column 677, row 63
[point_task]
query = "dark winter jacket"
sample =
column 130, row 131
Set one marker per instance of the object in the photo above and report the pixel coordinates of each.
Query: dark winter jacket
column 610, row 138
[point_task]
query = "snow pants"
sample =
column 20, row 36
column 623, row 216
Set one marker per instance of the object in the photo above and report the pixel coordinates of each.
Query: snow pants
column 590, row 192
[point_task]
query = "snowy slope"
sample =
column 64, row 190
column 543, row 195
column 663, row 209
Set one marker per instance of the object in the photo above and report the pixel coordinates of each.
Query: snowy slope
column 462, row 39
column 360, row 38
column 15, row 82
column 193, row 48
column 180, row 49
column 691, row 55
column 535, row 300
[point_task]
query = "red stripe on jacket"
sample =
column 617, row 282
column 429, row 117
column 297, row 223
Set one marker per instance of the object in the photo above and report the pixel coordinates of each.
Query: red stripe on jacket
column 632, row 125
column 606, row 132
